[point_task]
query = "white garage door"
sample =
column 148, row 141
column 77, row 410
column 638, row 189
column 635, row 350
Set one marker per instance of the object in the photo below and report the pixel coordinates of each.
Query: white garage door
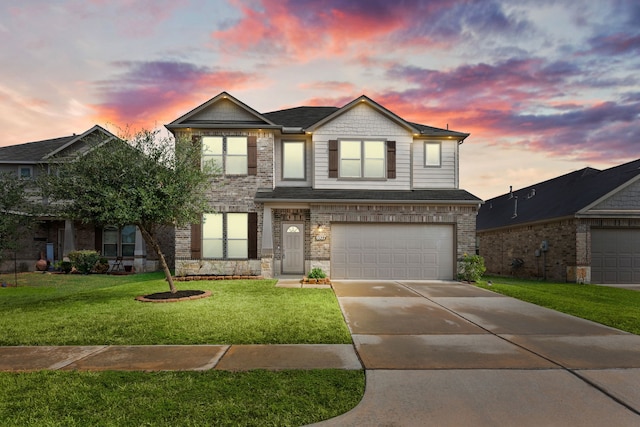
column 392, row 251
column 615, row 256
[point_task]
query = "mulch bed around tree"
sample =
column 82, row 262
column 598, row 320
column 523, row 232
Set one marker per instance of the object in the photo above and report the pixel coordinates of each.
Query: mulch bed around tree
column 185, row 295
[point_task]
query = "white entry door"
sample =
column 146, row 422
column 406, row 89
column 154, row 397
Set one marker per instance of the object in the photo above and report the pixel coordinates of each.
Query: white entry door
column 292, row 248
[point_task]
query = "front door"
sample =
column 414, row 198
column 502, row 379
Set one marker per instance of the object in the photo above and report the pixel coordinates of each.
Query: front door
column 292, row 248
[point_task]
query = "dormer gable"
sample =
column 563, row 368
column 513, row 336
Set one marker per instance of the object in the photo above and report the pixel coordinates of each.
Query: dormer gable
column 223, row 110
column 97, row 135
column 364, row 100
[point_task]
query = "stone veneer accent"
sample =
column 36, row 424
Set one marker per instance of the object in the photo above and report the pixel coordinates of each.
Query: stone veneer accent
column 229, row 194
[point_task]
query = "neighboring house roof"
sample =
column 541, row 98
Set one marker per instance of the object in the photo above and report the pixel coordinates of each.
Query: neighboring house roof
column 296, row 120
column 42, row 151
column 32, row 152
column 564, row 196
column 308, row 194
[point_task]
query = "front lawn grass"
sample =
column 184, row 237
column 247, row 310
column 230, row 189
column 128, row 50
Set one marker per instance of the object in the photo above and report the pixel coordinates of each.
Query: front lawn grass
column 56, row 309
column 255, row 398
column 615, row 307
column 51, row 309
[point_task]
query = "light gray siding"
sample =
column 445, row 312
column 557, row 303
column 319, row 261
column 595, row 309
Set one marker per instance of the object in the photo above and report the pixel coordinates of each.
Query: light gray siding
column 444, row 176
column 224, row 111
column 362, row 122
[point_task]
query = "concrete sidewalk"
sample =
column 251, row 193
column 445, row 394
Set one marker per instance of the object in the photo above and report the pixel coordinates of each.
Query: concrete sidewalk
column 179, row 357
column 451, row 354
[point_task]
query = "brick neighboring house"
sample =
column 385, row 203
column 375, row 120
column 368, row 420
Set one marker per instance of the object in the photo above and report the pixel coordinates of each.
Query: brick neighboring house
column 589, row 220
column 54, row 238
column 355, row 190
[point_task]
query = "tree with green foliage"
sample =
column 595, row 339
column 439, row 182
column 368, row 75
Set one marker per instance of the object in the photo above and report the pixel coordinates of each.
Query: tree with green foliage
column 14, row 210
column 146, row 180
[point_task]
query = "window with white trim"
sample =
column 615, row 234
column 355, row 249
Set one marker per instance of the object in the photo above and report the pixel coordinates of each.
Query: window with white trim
column 432, row 154
column 362, row 159
column 229, row 153
column 293, row 160
column 225, row 236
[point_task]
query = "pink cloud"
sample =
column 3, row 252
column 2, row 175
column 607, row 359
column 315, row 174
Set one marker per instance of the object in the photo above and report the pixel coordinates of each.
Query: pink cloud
column 147, row 93
column 304, row 28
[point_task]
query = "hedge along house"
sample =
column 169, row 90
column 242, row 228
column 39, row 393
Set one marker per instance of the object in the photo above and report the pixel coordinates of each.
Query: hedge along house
column 580, row 227
column 355, row 190
column 54, row 237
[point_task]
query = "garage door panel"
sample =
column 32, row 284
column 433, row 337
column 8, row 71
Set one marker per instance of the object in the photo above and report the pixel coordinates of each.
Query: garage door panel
column 392, row 251
column 615, row 256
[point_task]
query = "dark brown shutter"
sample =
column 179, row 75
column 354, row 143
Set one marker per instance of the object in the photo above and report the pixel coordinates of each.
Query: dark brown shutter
column 253, row 235
column 196, row 241
column 391, row 159
column 333, row 158
column 252, row 155
column 98, row 231
column 197, row 141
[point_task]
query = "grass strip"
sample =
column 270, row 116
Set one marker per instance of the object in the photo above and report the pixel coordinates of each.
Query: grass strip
column 615, row 307
column 254, row 398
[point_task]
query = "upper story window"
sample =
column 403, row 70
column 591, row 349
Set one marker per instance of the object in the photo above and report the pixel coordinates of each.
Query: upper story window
column 25, row 172
column 229, row 153
column 362, row 159
column 119, row 242
column 293, row 160
column 432, row 154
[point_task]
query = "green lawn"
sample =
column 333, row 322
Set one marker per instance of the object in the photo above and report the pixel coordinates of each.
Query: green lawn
column 55, row 309
column 615, row 307
column 51, row 309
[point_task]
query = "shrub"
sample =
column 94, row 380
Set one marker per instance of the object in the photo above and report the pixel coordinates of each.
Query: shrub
column 471, row 268
column 102, row 265
column 316, row 273
column 64, row 266
column 85, row 260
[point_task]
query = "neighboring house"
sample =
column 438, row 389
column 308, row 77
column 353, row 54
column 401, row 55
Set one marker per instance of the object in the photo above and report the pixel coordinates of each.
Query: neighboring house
column 580, row 227
column 54, row 238
column 357, row 191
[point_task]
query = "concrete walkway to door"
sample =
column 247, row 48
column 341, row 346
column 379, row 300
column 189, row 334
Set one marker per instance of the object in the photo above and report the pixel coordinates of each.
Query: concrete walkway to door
column 452, row 354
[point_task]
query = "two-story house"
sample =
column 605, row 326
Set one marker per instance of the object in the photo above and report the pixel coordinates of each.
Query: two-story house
column 52, row 237
column 355, row 190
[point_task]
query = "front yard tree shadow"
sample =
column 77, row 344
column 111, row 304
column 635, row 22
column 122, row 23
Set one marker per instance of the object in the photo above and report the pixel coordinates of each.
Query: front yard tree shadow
column 145, row 180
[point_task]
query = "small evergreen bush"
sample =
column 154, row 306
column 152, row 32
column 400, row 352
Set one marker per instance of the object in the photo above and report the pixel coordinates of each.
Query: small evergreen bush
column 84, row 260
column 316, row 273
column 471, row 268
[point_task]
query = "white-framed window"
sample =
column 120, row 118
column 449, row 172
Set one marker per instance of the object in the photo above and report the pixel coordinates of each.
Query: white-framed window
column 25, row 172
column 229, row 153
column 432, row 154
column 362, row 159
column 119, row 241
column 225, row 236
column 293, row 160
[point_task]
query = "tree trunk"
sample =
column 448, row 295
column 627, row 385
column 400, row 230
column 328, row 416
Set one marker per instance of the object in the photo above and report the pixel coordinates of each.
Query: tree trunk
column 151, row 241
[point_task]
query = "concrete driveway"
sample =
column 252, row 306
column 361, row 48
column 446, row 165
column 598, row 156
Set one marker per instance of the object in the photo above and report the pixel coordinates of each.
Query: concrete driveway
column 452, row 354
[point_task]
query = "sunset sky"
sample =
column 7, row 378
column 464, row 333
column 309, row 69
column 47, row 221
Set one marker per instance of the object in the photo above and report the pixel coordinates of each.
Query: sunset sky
column 544, row 87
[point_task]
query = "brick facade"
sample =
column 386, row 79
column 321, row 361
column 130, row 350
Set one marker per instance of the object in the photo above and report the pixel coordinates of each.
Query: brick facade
column 568, row 258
